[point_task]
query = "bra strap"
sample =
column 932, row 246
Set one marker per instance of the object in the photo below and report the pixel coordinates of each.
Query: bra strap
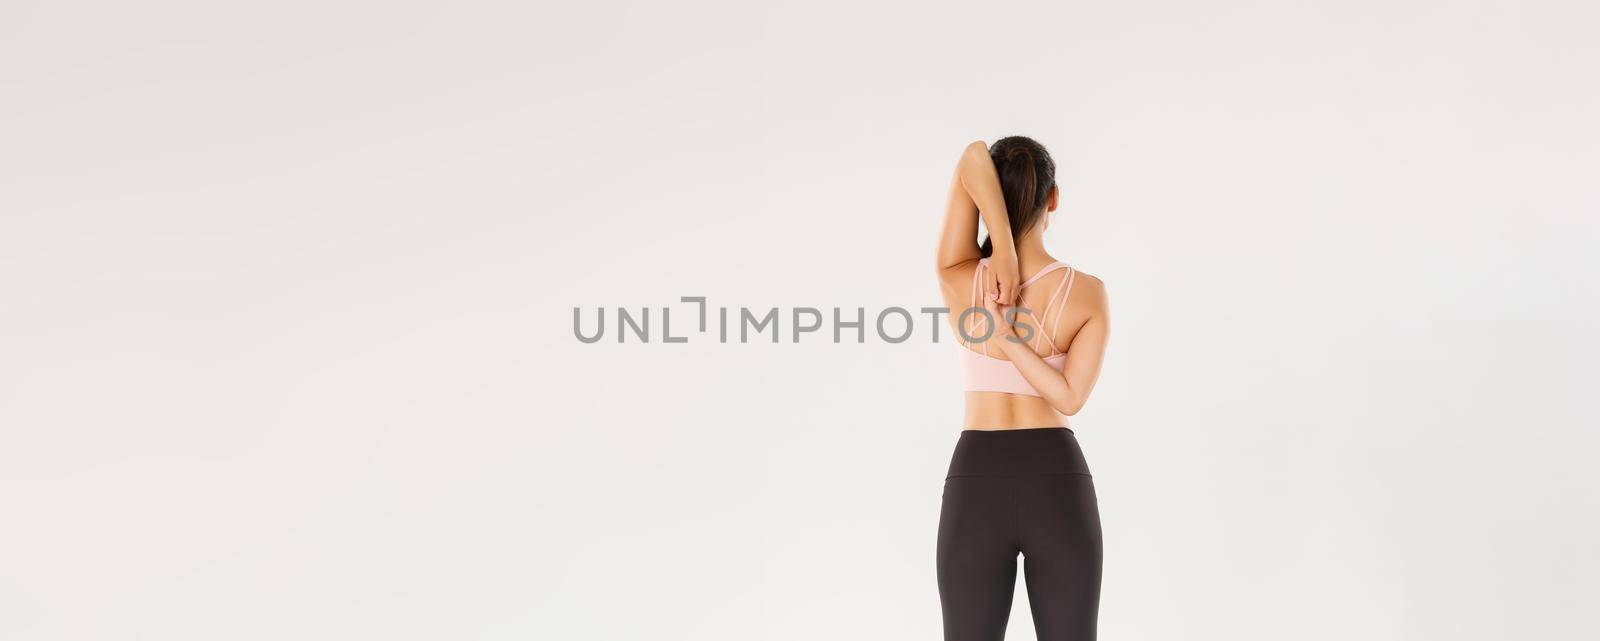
column 976, row 293
column 1042, row 273
column 1062, row 310
column 1045, row 313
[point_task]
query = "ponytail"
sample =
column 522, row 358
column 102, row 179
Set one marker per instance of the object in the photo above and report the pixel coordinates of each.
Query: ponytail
column 1027, row 174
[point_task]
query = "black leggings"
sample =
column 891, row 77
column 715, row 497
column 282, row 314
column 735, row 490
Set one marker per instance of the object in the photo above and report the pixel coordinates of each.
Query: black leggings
column 1012, row 491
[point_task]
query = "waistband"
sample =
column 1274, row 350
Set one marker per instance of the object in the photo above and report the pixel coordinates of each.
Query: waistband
column 1024, row 452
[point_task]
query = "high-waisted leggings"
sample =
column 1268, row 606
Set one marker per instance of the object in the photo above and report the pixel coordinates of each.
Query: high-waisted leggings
column 1010, row 492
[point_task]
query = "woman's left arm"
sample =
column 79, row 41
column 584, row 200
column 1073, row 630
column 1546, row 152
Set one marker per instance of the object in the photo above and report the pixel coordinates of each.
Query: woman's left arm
column 1069, row 389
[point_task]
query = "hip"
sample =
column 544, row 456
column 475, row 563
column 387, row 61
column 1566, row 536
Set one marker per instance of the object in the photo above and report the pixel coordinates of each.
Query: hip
column 1040, row 451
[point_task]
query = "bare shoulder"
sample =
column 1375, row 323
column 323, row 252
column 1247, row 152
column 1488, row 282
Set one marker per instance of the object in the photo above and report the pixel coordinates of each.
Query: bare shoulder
column 1093, row 290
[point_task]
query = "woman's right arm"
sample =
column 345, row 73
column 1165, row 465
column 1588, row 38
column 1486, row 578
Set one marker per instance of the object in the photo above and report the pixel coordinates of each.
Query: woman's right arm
column 974, row 193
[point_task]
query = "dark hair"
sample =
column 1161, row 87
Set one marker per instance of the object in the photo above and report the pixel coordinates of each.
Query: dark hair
column 1027, row 174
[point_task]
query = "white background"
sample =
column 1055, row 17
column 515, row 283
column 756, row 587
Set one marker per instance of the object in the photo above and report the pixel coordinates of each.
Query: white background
column 286, row 297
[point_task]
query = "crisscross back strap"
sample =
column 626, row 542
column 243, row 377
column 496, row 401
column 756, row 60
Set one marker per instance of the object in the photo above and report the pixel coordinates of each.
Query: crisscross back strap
column 1042, row 273
column 1061, row 310
column 981, row 318
column 1062, row 291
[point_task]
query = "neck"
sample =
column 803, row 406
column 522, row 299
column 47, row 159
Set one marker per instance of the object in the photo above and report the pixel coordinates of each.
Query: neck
column 1030, row 251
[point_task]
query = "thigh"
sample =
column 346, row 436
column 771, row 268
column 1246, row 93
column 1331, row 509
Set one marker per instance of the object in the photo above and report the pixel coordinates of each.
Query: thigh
column 1059, row 522
column 977, row 563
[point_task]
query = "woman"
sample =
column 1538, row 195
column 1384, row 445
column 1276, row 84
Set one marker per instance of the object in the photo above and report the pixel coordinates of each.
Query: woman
column 1018, row 483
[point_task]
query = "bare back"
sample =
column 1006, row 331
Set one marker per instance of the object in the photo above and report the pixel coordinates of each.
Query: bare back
column 1052, row 308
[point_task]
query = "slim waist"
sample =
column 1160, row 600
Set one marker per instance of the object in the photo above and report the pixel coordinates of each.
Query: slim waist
column 1021, row 452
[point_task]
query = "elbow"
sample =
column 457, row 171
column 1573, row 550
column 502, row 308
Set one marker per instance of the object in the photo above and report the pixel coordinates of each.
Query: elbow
column 1068, row 406
column 976, row 150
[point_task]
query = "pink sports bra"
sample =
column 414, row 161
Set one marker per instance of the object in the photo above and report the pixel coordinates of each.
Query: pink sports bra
column 981, row 372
